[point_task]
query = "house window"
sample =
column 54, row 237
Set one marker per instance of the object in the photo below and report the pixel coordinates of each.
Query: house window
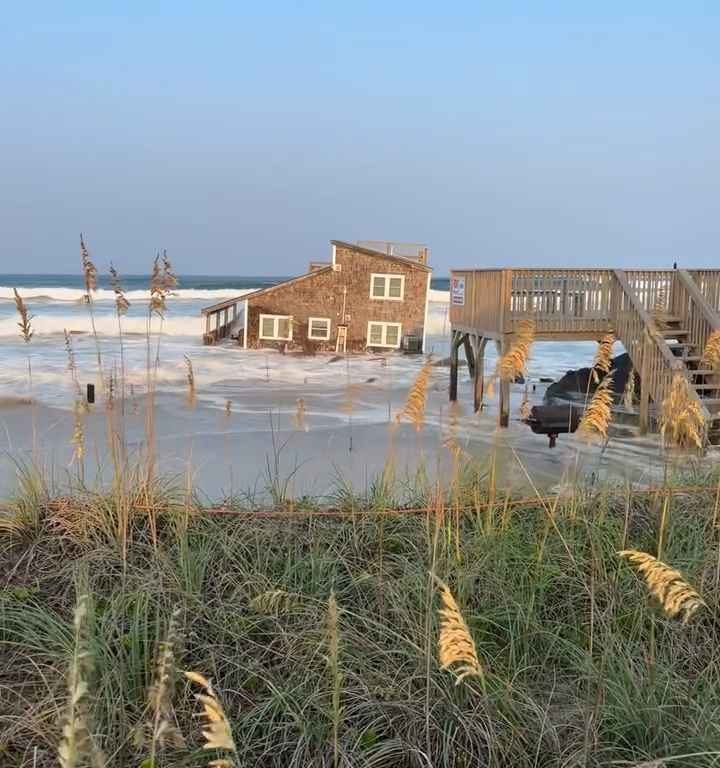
column 384, row 334
column 276, row 327
column 319, row 328
column 390, row 287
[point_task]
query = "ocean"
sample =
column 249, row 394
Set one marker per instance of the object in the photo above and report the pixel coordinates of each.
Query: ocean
column 56, row 304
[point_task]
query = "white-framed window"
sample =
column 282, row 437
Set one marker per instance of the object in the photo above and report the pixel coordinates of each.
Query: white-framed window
column 389, row 287
column 319, row 328
column 276, row 327
column 384, row 334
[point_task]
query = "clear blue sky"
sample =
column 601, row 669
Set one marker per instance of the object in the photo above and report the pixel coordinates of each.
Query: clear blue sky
column 244, row 136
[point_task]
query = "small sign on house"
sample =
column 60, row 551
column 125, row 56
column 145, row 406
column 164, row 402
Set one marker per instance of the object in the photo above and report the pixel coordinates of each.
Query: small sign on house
column 457, row 291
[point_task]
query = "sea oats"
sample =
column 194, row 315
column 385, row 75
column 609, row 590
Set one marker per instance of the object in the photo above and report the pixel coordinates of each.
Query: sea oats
column 89, row 270
column 681, row 421
column 629, row 393
column 525, row 405
column 121, row 303
column 162, row 729
column 456, row 647
column 274, row 602
column 711, row 353
column 216, row 728
column 514, row 362
column 77, row 747
column 414, row 408
column 190, row 378
column 603, row 354
column 78, row 437
column 451, row 442
column 666, row 585
column 25, row 324
column 157, row 288
column 598, row 414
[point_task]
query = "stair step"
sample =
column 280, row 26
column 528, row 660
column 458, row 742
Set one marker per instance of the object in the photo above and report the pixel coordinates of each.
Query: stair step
column 669, row 318
column 706, row 386
column 682, row 345
column 701, row 372
column 673, row 333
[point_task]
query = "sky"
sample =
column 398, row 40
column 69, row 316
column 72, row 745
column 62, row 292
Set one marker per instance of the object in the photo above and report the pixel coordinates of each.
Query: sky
column 243, row 137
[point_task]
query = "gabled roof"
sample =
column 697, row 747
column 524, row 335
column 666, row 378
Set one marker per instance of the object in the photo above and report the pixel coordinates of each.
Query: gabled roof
column 263, row 291
column 308, row 275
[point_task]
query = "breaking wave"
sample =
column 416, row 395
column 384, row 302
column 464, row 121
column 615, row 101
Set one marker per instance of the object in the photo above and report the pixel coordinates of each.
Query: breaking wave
column 106, row 325
column 75, row 295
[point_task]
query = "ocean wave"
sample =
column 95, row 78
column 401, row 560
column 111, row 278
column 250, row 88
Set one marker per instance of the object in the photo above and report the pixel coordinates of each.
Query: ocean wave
column 105, row 324
column 75, row 295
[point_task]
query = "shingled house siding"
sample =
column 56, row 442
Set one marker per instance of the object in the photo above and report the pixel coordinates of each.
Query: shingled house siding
column 321, row 295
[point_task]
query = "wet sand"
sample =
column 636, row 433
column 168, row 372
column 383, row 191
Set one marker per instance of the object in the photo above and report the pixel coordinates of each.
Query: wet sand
column 345, row 435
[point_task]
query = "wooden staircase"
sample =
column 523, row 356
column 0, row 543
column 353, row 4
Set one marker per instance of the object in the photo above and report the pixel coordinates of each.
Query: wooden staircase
column 668, row 340
column 663, row 318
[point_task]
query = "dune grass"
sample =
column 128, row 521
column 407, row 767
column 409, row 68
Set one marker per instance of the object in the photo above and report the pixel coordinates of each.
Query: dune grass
column 320, row 636
column 404, row 625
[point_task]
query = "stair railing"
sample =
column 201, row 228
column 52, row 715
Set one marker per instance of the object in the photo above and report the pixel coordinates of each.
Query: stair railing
column 654, row 362
column 695, row 313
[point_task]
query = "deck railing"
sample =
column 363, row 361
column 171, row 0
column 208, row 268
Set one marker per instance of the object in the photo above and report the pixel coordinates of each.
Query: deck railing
column 708, row 282
column 653, row 288
column 479, row 298
column 572, row 300
column 415, row 251
column 556, row 300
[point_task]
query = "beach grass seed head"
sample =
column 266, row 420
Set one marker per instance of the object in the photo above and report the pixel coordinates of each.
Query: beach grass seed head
column 676, row 597
column 598, row 415
column 25, row 324
column 216, row 729
column 682, row 423
column 456, row 647
column 414, row 408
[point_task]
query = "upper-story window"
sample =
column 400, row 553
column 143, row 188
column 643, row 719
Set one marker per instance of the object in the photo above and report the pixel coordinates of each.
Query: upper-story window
column 391, row 287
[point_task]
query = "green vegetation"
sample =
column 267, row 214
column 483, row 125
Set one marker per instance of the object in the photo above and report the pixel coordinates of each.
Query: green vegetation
column 317, row 630
column 408, row 625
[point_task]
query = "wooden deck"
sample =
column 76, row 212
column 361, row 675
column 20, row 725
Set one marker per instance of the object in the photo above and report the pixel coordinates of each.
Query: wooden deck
column 663, row 318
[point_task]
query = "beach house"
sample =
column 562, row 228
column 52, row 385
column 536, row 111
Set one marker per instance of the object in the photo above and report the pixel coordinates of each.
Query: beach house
column 369, row 295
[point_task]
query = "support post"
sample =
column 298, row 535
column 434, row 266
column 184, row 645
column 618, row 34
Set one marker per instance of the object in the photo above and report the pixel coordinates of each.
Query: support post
column 479, row 373
column 503, row 388
column 454, row 346
column 468, row 341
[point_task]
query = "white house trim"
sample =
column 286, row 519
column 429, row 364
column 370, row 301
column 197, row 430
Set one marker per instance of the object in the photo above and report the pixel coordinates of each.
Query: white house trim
column 321, row 319
column 276, row 323
column 387, row 276
column 384, row 326
column 427, row 307
column 245, row 321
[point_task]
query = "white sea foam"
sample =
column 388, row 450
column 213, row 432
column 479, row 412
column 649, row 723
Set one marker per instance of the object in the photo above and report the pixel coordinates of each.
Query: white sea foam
column 105, row 324
column 75, row 295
